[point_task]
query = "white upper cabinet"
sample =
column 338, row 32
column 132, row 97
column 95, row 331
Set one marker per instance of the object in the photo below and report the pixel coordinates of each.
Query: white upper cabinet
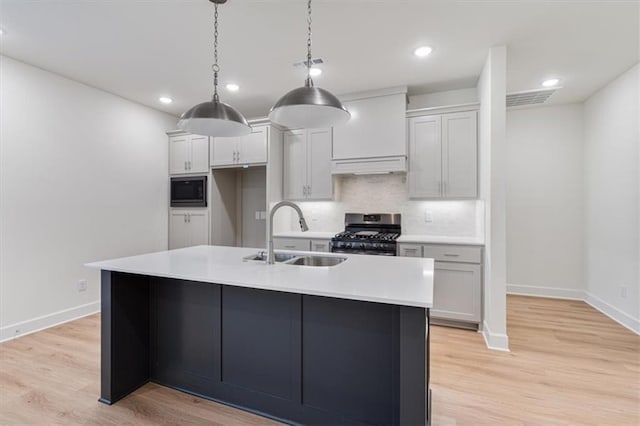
column 242, row 150
column 307, row 165
column 188, row 154
column 460, row 156
column 443, row 156
column 295, row 164
column 374, row 139
column 425, row 156
column 319, row 179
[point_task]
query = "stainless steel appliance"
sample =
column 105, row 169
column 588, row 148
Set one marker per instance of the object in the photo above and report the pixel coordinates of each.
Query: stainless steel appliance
column 371, row 233
column 189, row 191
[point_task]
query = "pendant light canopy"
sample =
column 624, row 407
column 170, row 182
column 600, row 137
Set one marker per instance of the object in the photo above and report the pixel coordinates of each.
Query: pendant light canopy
column 214, row 118
column 309, row 106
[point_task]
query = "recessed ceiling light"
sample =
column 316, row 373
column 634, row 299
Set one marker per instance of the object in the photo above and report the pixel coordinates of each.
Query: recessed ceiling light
column 422, row 51
column 551, row 82
column 232, row 87
column 165, row 99
column 314, row 72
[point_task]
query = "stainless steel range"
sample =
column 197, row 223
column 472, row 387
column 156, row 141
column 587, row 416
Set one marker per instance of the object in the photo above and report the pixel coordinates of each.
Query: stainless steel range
column 373, row 233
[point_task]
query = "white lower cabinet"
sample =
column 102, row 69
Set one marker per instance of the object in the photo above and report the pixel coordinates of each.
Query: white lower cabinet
column 457, row 292
column 298, row 244
column 301, row 244
column 188, row 228
column 457, row 284
column 320, row 245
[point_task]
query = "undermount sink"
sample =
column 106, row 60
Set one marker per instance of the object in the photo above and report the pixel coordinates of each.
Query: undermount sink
column 298, row 260
column 279, row 257
column 317, row 261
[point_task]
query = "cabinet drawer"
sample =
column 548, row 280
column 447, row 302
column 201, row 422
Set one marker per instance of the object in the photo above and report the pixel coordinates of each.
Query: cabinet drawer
column 300, row 244
column 453, row 253
column 320, row 245
column 410, row 250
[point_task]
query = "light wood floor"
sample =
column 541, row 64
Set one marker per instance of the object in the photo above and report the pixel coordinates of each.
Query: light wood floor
column 568, row 364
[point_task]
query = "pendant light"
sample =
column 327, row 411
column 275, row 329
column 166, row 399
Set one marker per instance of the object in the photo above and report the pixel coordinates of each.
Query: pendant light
column 214, row 118
column 309, row 106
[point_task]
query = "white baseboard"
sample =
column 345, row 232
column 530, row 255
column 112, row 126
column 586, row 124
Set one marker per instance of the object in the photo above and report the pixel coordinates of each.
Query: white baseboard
column 497, row 342
column 36, row 324
column 614, row 313
column 550, row 292
column 609, row 310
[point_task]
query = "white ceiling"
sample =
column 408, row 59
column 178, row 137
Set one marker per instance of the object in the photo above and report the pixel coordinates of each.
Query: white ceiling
column 142, row 49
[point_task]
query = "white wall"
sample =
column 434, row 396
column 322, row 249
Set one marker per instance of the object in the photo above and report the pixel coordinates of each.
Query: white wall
column 492, row 159
column 83, row 177
column 612, row 261
column 389, row 194
column 545, row 201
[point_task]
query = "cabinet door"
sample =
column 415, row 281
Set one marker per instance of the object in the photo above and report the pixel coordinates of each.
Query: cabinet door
column 295, row 165
column 178, row 154
column 223, row 151
column 460, row 155
column 457, row 292
column 425, row 157
column 178, row 234
column 319, row 179
column 298, row 244
column 320, row 245
column 377, row 129
column 253, row 147
column 410, row 250
column 199, row 155
column 198, row 224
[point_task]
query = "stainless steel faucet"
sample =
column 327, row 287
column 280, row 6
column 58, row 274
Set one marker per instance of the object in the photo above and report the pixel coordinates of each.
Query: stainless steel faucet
column 303, row 226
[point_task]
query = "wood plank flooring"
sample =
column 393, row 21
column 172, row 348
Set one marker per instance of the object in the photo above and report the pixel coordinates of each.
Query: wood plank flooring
column 568, row 364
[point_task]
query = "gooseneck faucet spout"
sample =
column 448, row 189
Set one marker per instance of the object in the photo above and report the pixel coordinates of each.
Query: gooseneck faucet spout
column 303, row 226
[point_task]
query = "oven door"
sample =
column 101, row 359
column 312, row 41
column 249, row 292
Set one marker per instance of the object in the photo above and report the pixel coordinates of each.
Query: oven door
column 189, row 191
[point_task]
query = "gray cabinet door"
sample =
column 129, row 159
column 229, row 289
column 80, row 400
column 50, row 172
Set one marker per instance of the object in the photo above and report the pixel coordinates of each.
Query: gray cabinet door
column 457, row 291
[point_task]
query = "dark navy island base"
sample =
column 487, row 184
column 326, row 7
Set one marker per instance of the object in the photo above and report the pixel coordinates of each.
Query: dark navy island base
column 291, row 357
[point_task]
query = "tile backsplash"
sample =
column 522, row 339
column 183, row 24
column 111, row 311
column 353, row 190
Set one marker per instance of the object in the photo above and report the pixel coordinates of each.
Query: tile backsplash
column 388, row 194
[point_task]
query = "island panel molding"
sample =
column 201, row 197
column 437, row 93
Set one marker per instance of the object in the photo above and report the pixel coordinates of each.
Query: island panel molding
column 292, row 357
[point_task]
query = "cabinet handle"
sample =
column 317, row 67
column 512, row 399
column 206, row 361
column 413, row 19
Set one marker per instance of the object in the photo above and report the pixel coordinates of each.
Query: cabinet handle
column 304, row 190
column 289, row 247
column 185, row 165
column 189, row 217
column 452, row 254
column 185, row 218
column 189, row 164
column 308, row 191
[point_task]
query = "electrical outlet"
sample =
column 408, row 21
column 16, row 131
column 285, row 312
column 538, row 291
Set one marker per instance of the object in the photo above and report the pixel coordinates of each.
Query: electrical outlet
column 82, row 285
column 18, row 331
column 623, row 291
column 428, row 216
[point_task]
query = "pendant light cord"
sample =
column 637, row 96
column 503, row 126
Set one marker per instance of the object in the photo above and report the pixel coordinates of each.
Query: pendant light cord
column 215, row 67
column 309, row 82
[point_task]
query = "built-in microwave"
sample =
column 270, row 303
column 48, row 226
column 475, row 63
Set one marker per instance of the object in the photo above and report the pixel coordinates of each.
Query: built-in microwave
column 189, row 191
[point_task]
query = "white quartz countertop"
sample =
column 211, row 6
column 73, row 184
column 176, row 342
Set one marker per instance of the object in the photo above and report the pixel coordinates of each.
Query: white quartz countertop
column 433, row 239
column 308, row 235
column 402, row 281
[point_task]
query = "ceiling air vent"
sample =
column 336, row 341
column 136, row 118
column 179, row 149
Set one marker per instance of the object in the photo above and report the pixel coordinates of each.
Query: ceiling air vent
column 303, row 63
column 529, row 97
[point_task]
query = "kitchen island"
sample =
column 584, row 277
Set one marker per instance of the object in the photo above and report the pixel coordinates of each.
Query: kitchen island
column 343, row 344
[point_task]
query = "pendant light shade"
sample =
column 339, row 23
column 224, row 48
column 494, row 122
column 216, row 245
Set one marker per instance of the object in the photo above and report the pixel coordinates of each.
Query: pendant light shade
column 309, row 106
column 214, row 119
